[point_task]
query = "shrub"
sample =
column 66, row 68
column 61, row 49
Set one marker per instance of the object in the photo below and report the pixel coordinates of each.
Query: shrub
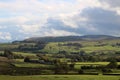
column 105, row 70
column 27, row 59
column 112, row 64
column 80, row 71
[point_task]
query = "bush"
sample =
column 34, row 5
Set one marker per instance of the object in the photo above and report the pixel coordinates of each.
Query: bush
column 8, row 54
column 80, row 71
column 61, row 68
column 72, row 66
column 105, row 70
column 112, row 64
column 27, row 59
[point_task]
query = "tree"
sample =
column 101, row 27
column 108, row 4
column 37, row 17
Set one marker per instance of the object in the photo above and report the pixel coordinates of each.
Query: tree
column 112, row 64
column 8, row 54
column 105, row 70
column 27, row 59
column 82, row 53
column 93, row 58
column 61, row 68
column 80, row 71
column 40, row 44
column 72, row 65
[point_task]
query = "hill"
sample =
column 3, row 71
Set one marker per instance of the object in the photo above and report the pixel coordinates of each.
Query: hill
column 98, row 37
column 70, row 38
column 54, row 39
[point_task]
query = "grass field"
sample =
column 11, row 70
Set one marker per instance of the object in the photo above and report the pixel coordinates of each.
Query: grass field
column 60, row 77
column 25, row 54
column 88, row 46
column 79, row 64
column 31, row 65
column 20, row 63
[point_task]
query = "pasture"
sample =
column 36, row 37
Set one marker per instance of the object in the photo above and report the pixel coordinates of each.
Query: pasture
column 60, row 77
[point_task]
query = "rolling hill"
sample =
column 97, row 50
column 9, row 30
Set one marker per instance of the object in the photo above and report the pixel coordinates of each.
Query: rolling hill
column 70, row 38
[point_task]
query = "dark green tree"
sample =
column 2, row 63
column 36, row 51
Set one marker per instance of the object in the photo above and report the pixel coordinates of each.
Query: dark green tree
column 8, row 54
column 113, row 64
column 80, row 71
column 27, row 59
column 72, row 65
column 82, row 53
column 61, row 68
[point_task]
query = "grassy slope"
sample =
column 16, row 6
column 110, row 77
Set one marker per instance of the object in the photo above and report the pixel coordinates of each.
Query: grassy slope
column 25, row 54
column 7, row 46
column 33, row 65
column 88, row 46
column 79, row 64
column 60, row 77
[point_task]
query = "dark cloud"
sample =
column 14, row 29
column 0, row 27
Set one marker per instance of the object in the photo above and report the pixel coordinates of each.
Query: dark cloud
column 112, row 3
column 105, row 21
column 99, row 21
column 58, row 24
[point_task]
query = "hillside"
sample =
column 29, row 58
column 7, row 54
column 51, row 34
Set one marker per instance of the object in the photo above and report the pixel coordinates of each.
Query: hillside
column 55, row 39
column 69, row 38
column 98, row 37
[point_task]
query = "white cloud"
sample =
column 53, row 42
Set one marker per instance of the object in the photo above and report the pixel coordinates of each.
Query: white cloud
column 29, row 29
column 23, row 10
column 72, row 21
column 30, row 16
column 54, row 32
column 14, row 20
column 5, row 36
column 3, row 27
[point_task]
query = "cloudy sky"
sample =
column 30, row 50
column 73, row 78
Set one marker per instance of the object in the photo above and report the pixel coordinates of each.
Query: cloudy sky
column 20, row 19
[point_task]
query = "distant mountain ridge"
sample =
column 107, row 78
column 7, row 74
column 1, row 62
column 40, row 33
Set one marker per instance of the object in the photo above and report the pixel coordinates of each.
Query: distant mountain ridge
column 70, row 38
column 54, row 39
column 98, row 37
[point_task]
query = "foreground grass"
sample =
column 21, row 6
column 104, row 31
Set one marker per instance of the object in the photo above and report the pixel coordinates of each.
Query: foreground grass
column 60, row 77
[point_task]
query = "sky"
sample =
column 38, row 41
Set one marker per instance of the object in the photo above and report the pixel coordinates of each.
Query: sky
column 21, row 19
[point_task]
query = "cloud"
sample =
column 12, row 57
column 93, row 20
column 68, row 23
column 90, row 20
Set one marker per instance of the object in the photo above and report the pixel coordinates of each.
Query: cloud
column 82, row 27
column 23, row 11
column 107, row 22
column 89, row 21
column 5, row 36
column 3, row 27
column 29, row 29
column 59, row 17
column 113, row 3
column 54, row 32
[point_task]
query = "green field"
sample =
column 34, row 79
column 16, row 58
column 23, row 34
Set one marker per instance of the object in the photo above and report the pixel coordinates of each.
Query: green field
column 93, row 63
column 88, row 46
column 31, row 65
column 20, row 63
column 60, row 77
column 91, row 53
column 25, row 54
column 79, row 64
